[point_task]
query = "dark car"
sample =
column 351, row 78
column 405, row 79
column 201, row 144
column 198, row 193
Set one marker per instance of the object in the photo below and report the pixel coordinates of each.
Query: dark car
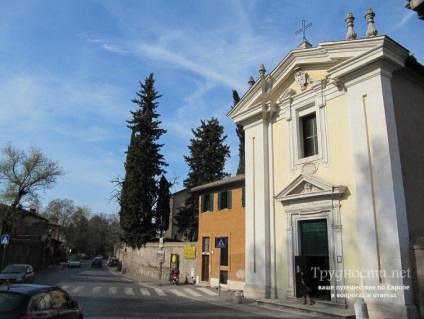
column 113, row 261
column 97, row 262
column 26, row 301
column 17, row 273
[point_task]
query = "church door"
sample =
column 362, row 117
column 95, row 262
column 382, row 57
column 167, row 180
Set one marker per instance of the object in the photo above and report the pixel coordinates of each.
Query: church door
column 313, row 257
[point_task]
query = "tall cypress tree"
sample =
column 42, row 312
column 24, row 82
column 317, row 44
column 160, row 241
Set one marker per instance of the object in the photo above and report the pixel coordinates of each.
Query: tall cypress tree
column 163, row 210
column 240, row 134
column 143, row 166
column 206, row 162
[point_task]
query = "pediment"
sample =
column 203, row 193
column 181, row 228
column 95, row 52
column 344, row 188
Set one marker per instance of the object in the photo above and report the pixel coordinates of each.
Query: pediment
column 306, row 186
column 329, row 61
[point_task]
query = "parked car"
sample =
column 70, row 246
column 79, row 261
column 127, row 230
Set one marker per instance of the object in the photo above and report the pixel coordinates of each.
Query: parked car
column 113, row 261
column 97, row 262
column 26, row 301
column 74, row 261
column 17, row 273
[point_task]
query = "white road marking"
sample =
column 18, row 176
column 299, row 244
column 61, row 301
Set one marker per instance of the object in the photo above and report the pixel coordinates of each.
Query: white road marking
column 96, row 290
column 160, row 292
column 208, row 291
column 177, row 292
column 129, row 291
column 77, row 288
column 144, row 292
column 112, row 290
column 192, row 292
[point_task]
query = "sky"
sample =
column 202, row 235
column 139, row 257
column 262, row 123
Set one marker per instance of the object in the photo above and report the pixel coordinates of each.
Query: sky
column 69, row 70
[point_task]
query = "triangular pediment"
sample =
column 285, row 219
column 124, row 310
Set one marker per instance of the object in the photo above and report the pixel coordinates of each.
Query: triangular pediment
column 329, row 62
column 307, row 186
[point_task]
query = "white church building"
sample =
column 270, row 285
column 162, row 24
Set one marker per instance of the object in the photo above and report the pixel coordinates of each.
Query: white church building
column 334, row 180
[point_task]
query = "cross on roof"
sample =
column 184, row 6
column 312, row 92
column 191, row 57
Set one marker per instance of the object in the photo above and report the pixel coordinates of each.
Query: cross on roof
column 304, row 27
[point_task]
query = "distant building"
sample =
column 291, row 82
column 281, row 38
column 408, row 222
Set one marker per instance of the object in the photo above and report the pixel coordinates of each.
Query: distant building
column 177, row 200
column 334, row 176
column 222, row 217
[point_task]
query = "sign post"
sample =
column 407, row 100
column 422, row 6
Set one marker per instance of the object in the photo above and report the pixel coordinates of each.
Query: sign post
column 5, row 239
column 220, row 242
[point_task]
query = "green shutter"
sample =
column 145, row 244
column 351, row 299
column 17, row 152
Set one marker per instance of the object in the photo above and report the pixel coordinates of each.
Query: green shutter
column 211, row 202
column 229, row 199
column 219, row 201
column 243, row 197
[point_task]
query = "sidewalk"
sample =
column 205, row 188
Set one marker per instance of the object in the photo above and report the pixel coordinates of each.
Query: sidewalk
column 325, row 309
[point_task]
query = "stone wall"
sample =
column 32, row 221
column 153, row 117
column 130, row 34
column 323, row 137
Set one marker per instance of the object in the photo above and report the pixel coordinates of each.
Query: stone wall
column 145, row 262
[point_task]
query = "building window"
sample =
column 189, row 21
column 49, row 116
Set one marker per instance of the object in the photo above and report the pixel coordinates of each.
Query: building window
column 223, row 277
column 309, row 136
column 224, row 200
column 207, row 203
column 243, row 197
column 224, row 256
column 205, row 244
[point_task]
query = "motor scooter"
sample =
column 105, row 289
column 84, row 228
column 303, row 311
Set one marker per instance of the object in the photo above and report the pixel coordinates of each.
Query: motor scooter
column 175, row 276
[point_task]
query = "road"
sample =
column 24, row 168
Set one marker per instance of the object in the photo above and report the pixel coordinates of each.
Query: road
column 104, row 294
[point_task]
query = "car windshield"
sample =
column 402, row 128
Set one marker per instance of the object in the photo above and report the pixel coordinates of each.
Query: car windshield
column 73, row 259
column 10, row 302
column 14, row 269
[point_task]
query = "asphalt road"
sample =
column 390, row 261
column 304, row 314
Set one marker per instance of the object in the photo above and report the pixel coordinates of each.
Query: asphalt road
column 104, row 294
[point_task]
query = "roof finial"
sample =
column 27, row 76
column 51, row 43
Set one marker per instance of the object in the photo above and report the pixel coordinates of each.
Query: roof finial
column 251, row 81
column 262, row 71
column 351, row 34
column 371, row 30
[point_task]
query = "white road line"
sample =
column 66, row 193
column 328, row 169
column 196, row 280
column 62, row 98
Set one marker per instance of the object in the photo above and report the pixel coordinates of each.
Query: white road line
column 192, row 292
column 144, row 292
column 160, row 292
column 177, row 292
column 208, row 291
column 129, row 291
column 112, row 290
column 96, row 290
column 77, row 288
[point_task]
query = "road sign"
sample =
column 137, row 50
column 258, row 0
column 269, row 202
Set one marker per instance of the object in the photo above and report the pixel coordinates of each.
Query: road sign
column 221, row 242
column 5, row 239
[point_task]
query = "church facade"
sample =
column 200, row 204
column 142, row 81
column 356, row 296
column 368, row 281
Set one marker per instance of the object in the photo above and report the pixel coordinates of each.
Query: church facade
column 333, row 180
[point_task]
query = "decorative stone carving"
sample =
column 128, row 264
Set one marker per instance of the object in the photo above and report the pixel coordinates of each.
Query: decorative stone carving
column 351, row 34
column 318, row 86
column 251, row 81
column 371, row 30
column 309, row 168
column 300, row 78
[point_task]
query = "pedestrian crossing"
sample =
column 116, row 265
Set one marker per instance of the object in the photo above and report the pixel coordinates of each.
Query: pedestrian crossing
column 82, row 290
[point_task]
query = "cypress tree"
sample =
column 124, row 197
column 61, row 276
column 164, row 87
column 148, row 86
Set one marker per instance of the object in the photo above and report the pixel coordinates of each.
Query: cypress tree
column 163, row 210
column 143, row 166
column 206, row 162
column 240, row 134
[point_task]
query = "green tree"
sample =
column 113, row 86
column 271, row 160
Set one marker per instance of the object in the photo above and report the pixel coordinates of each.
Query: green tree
column 206, row 162
column 240, row 134
column 163, row 209
column 22, row 175
column 143, row 166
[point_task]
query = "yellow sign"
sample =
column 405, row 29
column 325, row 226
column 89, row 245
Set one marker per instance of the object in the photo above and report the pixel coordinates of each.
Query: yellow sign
column 190, row 252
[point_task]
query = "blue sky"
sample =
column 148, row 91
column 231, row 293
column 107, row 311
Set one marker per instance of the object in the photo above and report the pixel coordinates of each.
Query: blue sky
column 69, row 69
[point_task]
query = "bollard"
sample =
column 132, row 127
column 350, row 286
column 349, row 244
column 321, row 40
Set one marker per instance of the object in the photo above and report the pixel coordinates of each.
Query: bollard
column 237, row 296
column 361, row 309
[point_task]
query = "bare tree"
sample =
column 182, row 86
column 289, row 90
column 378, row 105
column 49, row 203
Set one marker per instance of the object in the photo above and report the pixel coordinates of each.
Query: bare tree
column 24, row 174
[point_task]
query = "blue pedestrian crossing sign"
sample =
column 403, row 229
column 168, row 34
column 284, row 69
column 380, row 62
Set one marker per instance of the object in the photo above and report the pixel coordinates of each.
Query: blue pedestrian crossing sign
column 221, row 242
column 5, row 239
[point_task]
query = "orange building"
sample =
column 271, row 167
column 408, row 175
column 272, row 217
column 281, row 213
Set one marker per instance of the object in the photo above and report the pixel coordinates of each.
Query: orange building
column 222, row 224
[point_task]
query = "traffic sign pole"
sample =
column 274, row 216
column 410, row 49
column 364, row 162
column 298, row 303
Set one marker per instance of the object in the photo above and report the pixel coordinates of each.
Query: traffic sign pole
column 4, row 241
